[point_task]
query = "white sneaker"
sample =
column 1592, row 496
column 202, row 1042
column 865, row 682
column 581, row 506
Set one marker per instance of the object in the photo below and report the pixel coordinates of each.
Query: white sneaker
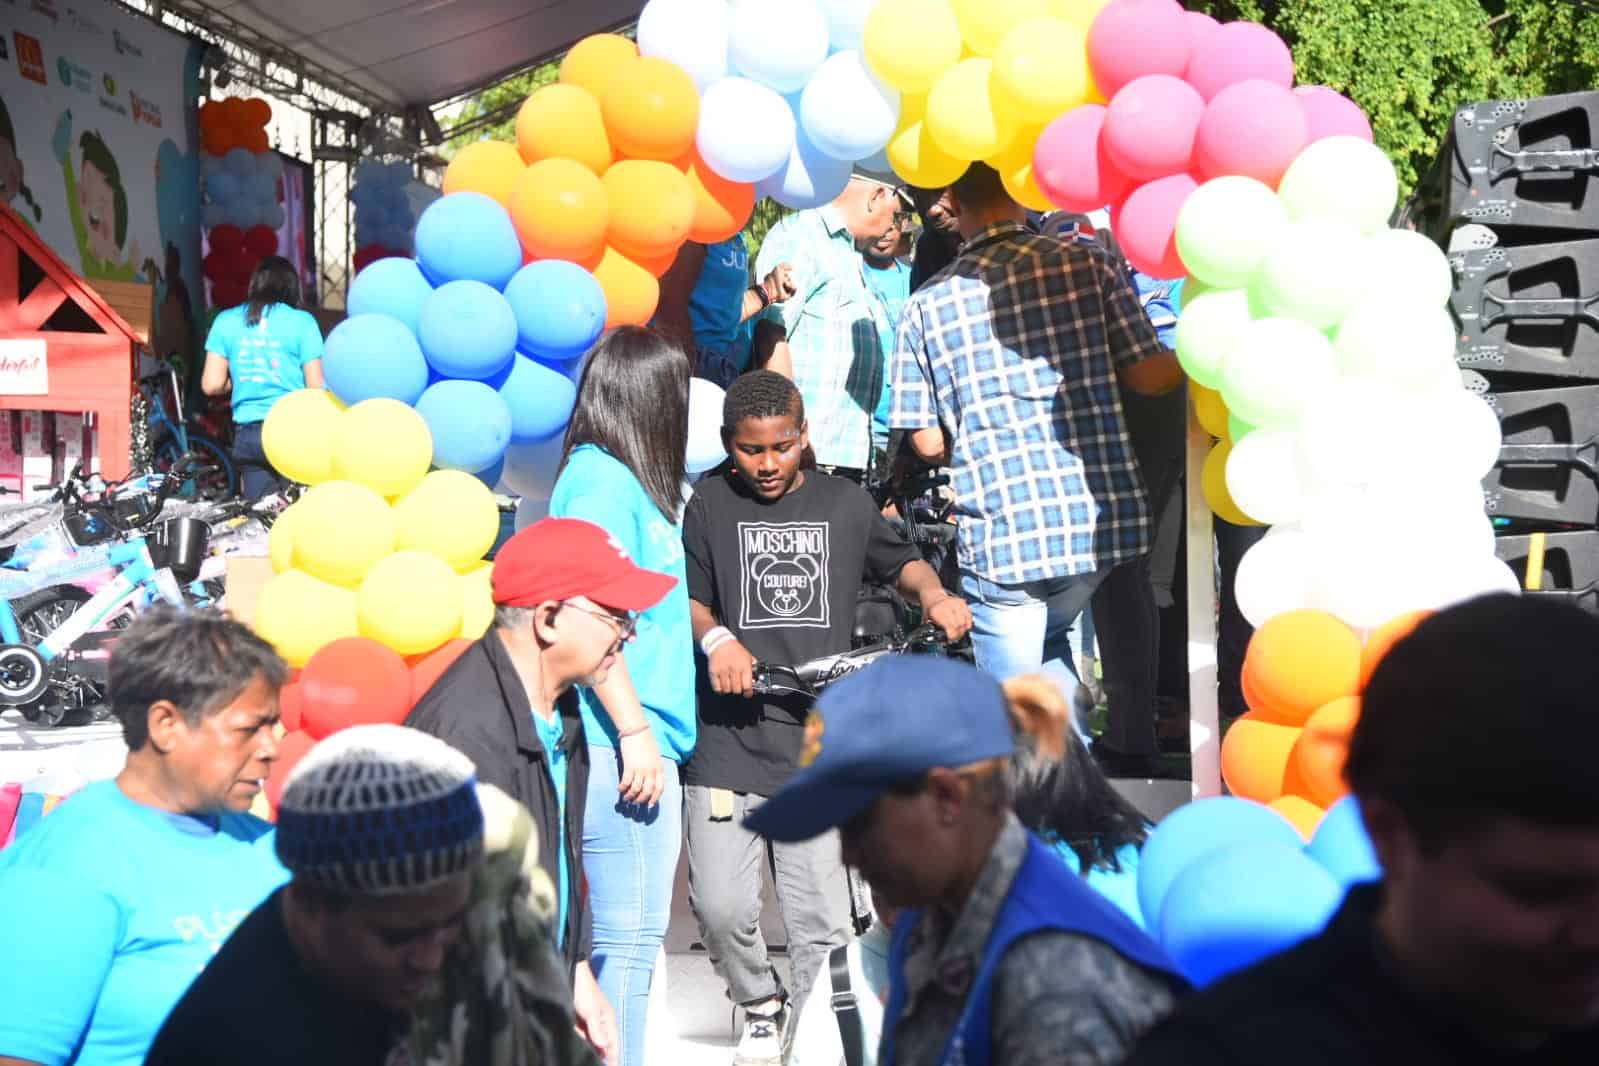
column 761, row 1043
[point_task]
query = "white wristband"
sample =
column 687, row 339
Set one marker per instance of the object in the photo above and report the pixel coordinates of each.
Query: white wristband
column 714, row 639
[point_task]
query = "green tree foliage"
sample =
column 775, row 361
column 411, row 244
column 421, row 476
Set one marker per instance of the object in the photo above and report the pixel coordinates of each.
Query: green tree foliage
column 1411, row 63
column 502, row 101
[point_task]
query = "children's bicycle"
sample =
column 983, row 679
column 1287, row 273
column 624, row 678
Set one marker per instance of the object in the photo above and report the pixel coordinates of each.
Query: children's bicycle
column 173, row 435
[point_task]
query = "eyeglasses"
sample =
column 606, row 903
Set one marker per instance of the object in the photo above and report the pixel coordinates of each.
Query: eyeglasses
column 626, row 625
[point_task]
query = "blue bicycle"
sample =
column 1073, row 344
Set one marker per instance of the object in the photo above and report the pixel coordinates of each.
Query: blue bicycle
column 173, row 435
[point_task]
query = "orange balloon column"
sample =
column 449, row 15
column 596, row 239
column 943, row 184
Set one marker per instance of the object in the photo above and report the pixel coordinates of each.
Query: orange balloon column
column 489, row 167
column 1303, row 814
column 1255, row 756
column 1385, row 637
column 721, row 208
column 597, row 61
column 1302, row 660
column 1322, row 748
column 651, row 110
column 563, row 122
column 561, row 212
column 651, row 208
column 631, row 291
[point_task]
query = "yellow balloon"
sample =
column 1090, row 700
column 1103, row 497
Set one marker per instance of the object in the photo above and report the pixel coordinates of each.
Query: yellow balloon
column 1213, row 482
column 985, row 23
column 280, row 540
column 1015, row 168
column 297, row 435
column 384, row 445
column 343, row 529
column 912, row 153
column 910, row 43
column 597, row 61
column 563, row 121
column 411, row 602
column 451, row 514
column 477, row 602
column 1080, row 13
column 298, row 615
column 961, row 114
column 1210, row 409
column 1041, row 70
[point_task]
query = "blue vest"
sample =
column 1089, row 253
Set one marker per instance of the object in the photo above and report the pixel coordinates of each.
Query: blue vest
column 1046, row 896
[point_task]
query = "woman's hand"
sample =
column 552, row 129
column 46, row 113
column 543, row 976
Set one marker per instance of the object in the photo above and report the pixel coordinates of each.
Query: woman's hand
column 643, row 768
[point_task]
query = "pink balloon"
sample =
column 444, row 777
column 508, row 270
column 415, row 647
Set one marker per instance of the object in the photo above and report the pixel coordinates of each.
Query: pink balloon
column 1240, row 51
column 1200, row 27
column 1329, row 113
column 1135, row 38
column 1070, row 164
column 1146, row 225
column 1254, row 128
column 1150, row 126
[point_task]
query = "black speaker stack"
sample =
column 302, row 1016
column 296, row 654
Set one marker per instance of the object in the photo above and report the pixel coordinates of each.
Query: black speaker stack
column 1515, row 199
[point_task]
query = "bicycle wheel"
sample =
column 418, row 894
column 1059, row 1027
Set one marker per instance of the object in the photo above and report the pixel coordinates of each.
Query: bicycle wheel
column 212, row 476
column 43, row 612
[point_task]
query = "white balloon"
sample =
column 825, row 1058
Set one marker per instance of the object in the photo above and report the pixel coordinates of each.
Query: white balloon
column 1266, row 476
column 1408, row 267
column 691, row 33
column 1462, row 433
column 1349, row 432
column 1273, row 576
column 778, row 43
column 746, row 130
column 1277, row 367
column 705, row 448
column 1364, row 579
column 846, row 22
column 1406, row 343
column 846, row 111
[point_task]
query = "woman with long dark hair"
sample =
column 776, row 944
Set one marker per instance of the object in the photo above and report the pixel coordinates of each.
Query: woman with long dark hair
column 262, row 350
column 623, row 471
column 1066, row 799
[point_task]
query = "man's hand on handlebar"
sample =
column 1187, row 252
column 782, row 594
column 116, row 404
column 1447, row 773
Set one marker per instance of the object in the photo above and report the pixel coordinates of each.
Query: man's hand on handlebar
column 951, row 615
column 732, row 669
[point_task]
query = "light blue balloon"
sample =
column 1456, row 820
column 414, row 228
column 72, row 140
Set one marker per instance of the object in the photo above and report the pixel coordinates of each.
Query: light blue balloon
column 809, row 179
column 1242, row 903
column 1194, row 830
column 467, row 330
column 393, row 287
column 690, row 33
column 746, row 130
column 467, row 236
column 213, row 215
column 846, row 22
column 846, row 111
column 491, row 476
column 559, row 309
column 540, row 399
column 372, row 355
column 779, row 45
column 1342, row 847
column 470, row 424
column 239, row 161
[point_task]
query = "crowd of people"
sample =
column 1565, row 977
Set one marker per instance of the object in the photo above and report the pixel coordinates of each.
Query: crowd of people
column 492, row 881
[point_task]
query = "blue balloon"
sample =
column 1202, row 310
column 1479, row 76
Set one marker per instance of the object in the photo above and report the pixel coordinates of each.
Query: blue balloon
column 222, row 187
column 393, row 287
column 467, row 330
column 559, row 308
column 491, row 476
column 1342, row 846
column 1236, row 906
column 240, row 161
column 1193, row 830
column 371, row 355
column 540, row 400
column 809, row 179
column 470, row 424
column 467, row 236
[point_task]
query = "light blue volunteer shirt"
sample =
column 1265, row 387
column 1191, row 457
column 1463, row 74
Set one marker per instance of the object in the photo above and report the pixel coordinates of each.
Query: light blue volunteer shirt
column 266, row 360
column 598, row 488
column 892, row 286
column 716, row 309
column 108, row 911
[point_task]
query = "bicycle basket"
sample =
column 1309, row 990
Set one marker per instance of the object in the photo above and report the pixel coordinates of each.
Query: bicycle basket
column 180, row 544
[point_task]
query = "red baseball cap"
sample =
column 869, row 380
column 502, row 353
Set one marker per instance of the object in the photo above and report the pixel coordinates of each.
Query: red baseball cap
column 559, row 558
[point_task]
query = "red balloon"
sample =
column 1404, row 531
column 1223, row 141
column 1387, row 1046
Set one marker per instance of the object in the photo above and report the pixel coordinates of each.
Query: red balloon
column 290, row 706
column 291, row 749
column 226, row 294
column 215, row 266
column 433, row 665
column 240, row 265
column 256, row 140
column 261, row 241
column 1328, row 113
column 1146, row 225
column 226, row 238
column 354, row 681
column 258, row 111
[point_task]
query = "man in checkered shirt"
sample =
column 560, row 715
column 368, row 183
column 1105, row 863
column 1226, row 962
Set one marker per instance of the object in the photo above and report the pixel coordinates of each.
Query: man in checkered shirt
column 1006, row 368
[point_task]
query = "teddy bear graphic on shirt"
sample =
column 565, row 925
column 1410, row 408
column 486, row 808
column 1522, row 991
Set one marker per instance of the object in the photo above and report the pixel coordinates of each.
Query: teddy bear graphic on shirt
column 784, row 572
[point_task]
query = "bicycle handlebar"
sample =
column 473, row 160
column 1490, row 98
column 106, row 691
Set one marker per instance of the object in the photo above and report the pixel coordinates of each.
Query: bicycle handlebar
column 811, row 677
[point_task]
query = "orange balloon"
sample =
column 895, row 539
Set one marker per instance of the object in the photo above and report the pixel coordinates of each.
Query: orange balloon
column 257, row 111
column 488, row 167
column 652, row 208
column 631, row 291
column 291, row 749
column 651, row 110
column 1254, row 757
column 432, row 666
column 560, row 211
column 1015, row 168
column 1322, row 749
column 1384, row 637
column 721, row 208
column 1300, row 661
column 563, row 121
column 595, row 62
column 659, row 265
column 1303, row 814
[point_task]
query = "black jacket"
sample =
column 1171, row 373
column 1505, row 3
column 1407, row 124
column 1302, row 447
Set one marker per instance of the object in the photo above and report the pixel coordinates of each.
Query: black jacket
column 480, row 708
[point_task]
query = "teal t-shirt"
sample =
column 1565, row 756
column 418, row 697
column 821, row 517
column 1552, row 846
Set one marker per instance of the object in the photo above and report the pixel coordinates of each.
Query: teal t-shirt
column 550, row 736
column 598, row 488
column 716, row 306
column 108, row 911
column 266, row 360
column 892, row 286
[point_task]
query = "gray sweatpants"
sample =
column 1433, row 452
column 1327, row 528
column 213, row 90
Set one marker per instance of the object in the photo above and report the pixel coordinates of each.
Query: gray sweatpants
column 724, row 890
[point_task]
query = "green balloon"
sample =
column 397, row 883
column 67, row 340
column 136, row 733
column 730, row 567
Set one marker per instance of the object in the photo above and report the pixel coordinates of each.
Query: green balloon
column 1237, row 428
column 1226, row 228
column 1315, row 273
column 1209, row 328
column 1344, row 179
column 1280, row 364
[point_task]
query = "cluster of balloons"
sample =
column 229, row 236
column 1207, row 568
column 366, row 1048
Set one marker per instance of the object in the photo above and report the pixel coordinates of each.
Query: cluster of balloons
column 239, row 178
column 1302, row 678
column 1225, row 882
column 384, row 220
column 379, row 546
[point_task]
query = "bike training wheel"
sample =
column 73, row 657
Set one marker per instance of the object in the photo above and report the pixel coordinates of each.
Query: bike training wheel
column 211, row 477
column 24, row 677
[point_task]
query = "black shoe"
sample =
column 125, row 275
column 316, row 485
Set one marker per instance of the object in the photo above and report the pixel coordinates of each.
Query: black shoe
column 1122, row 764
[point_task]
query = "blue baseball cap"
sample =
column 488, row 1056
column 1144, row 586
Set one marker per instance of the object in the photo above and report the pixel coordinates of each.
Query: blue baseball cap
column 895, row 720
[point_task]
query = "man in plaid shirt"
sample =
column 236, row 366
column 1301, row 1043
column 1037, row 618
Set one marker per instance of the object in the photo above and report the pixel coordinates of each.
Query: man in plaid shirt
column 1006, row 368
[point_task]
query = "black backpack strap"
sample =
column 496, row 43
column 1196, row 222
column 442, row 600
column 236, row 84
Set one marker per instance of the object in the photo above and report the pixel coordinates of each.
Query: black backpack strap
column 845, row 1008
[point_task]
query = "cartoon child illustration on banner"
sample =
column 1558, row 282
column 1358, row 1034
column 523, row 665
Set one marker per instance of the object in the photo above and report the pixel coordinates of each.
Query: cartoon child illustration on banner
column 99, row 204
